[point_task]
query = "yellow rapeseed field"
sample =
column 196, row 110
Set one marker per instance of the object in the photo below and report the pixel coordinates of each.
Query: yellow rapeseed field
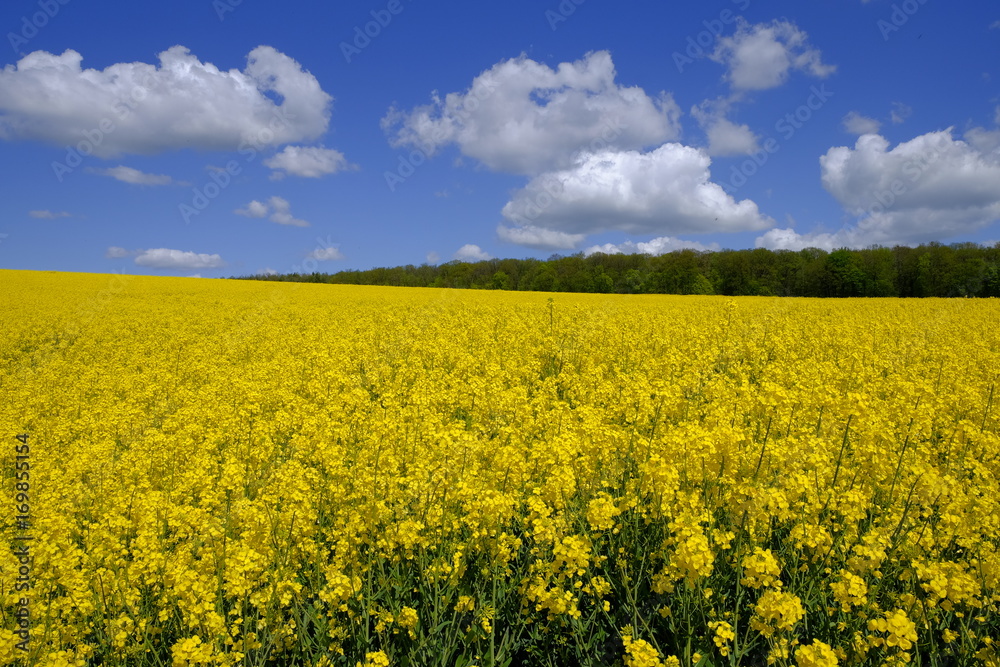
column 246, row 473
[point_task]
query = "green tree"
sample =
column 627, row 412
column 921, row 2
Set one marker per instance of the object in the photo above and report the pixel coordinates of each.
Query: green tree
column 844, row 277
column 633, row 282
column 701, row 285
column 500, row 280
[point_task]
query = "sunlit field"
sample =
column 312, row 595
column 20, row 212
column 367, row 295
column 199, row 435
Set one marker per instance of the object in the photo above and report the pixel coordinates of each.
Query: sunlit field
column 242, row 473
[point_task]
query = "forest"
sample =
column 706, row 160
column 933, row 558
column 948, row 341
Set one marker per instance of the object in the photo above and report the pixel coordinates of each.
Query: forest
column 929, row 270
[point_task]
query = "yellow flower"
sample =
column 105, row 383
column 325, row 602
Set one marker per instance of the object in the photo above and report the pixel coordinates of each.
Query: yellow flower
column 850, row 590
column 776, row 611
column 640, row 653
column 900, row 631
column 761, row 569
column 817, row 654
column 375, row 659
column 724, row 635
column 407, row 617
column 601, row 512
column 207, row 455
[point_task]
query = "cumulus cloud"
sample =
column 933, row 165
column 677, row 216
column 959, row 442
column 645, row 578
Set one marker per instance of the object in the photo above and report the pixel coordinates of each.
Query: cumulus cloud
column 983, row 140
column 164, row 258
column 433, row 257
column 724, row 136
column 524, row 117
column 537, row 237
column 276, row 208
column 325, row 254
column 281, row 213
column 900, row 112
column 932, row 170
column 307, row 162
column 927, row 189
column 136, row 177
column 727, row 138
column 760, row 56
column 666, row 191
column 855, row 123
column 46, row 214
column 254, row 209
column 143, row 108
column 789, row 239
column 115, row 252
column 471, row 253
column 658, row 246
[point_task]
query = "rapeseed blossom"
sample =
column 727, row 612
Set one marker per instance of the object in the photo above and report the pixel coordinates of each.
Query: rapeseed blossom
column 229, row 473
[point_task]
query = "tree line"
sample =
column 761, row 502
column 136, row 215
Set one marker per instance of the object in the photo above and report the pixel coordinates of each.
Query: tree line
column 929, row 270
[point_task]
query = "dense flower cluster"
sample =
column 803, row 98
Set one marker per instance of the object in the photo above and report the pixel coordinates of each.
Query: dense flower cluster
column 240, row 473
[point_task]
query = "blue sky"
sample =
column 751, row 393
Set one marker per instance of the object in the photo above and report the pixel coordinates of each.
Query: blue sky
column 232, row 137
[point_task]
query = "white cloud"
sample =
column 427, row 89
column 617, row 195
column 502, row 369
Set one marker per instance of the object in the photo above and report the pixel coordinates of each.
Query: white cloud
column 135, row 177
column 325, row 254
column 789, row 239
column 995, row 25
column 761, row 56
column 307, row 161
column 855, row 123
column 657, row 246
column 254, row 209
column 983, row 140
column 524, row 117
column 536, row 237
column 268, row 271
column 900, row 112
column 279, row 209
column 471, row 253
column 281, row 213
column 666, row 191
column 433, row 257
column 932, row 170
column 48, row 215
column 727, row 138
column 724, row 136
column 930, row 188
column 143, row 108
column 114, row 252
column 163, row 258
